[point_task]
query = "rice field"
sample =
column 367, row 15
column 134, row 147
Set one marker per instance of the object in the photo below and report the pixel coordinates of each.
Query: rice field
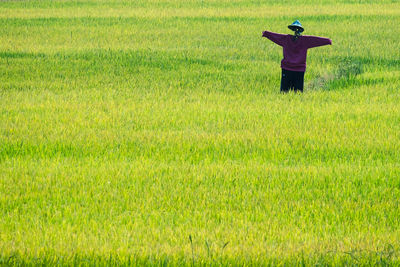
column 154, row 133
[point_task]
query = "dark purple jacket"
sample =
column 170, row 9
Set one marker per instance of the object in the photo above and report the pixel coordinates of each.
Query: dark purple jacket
column 295, row 52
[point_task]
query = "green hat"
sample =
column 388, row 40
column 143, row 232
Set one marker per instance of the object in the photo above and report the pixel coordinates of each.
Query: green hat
column 296, row 26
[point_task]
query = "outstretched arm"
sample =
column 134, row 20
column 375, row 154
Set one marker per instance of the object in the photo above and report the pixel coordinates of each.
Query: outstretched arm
column 314, row 41
column 274, row 37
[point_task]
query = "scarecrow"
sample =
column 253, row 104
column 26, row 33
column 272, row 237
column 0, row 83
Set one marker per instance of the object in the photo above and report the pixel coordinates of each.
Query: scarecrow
column 295, row 49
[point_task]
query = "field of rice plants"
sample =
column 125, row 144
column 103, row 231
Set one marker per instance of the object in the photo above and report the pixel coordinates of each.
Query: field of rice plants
column 153, row 132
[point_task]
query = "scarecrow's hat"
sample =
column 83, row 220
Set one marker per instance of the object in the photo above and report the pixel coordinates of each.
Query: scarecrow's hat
column 296, row 26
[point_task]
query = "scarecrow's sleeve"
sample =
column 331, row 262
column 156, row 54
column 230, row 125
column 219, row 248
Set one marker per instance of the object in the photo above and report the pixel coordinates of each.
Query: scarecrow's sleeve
column 314, row 41
column 277, row 38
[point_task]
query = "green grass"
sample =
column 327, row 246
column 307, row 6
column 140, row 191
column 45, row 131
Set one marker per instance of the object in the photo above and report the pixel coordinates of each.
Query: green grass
column 128, row 126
